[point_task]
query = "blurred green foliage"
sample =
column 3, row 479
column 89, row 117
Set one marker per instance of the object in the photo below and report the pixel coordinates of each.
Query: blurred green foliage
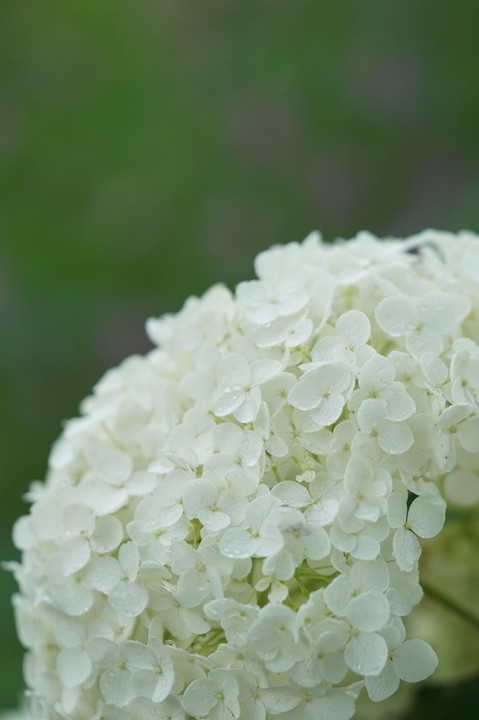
column 151, row 148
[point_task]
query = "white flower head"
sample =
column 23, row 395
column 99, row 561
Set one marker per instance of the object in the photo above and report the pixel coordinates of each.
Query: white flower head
column 232, row 528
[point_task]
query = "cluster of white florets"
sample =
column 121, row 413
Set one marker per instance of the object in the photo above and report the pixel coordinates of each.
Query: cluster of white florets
column 231, row 528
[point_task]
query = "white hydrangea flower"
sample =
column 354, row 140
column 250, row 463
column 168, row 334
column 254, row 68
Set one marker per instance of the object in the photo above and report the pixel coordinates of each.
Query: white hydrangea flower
column 410, row 660
column 319, row 703
column 275, row 637
column 231, row 530
column 215, row 697
column 421, row 321
column 424, row 518
column 321, row 392
column 250, row 699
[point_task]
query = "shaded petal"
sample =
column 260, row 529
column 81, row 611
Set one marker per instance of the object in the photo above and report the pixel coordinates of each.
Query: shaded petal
column 406, row 549
column 73, row 666
column 426, row 515
column 468, row 434
column 414, row 660
column 384, row 684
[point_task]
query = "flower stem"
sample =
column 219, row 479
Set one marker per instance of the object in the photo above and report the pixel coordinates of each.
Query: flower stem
column 437, row 591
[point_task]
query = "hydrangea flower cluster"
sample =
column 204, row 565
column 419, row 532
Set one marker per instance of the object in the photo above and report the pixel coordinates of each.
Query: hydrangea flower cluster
column 230, row 529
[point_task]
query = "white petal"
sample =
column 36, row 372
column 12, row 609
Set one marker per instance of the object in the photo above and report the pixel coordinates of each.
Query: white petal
column 229, row 402
column 264, row 370
column 299, row 332
column 400, row 601
column 199, row 697
column 232, row 372
column 111, row 712
column 334, row 704
column 69, row 699
column 304, row 395
column 128, row 558
column 128, row 598
column 77, row 518
column 224, row 681
column 395, row 437
column 329, row 410
column 150, row 683
column 358, row 474
column 281, row 565
column 370, row 576
column 115, row 686
column 142, row 708
column 237, row 543
column 103, row 574
column 316, row 544
column 338, row 595
column 395, row 315
column 367, row 546
column 214, row 520
column 108, row 534
column 415, row 660
column 468, row 434
column 141, row 483
column 406, row 549
column 438, row 311
column 334, row 668
column 140, row 656
column 216, row 609
column 276, row 446
column 103, row 652
column 104, row 499
column 377, row 374
column 354, row 327
column 422, row 341
column 461, row 486
column 368, row 611
column 279, row 699
column 23, row 535
column 74, row 598
column 434, row 369
column 454, row 414
column 366, row 653
column 316, row 441
column 114, row 467
column 73, row 666
column 341, row 540
column 384, row 685
column 292, row 494
column 248, row 409
column 399, row 404
column 426, row 515
column 371, row 414
column 73, row 556
column 397, row 510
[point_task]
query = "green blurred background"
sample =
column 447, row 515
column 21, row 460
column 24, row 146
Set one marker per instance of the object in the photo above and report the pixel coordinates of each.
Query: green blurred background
column 149, row 148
